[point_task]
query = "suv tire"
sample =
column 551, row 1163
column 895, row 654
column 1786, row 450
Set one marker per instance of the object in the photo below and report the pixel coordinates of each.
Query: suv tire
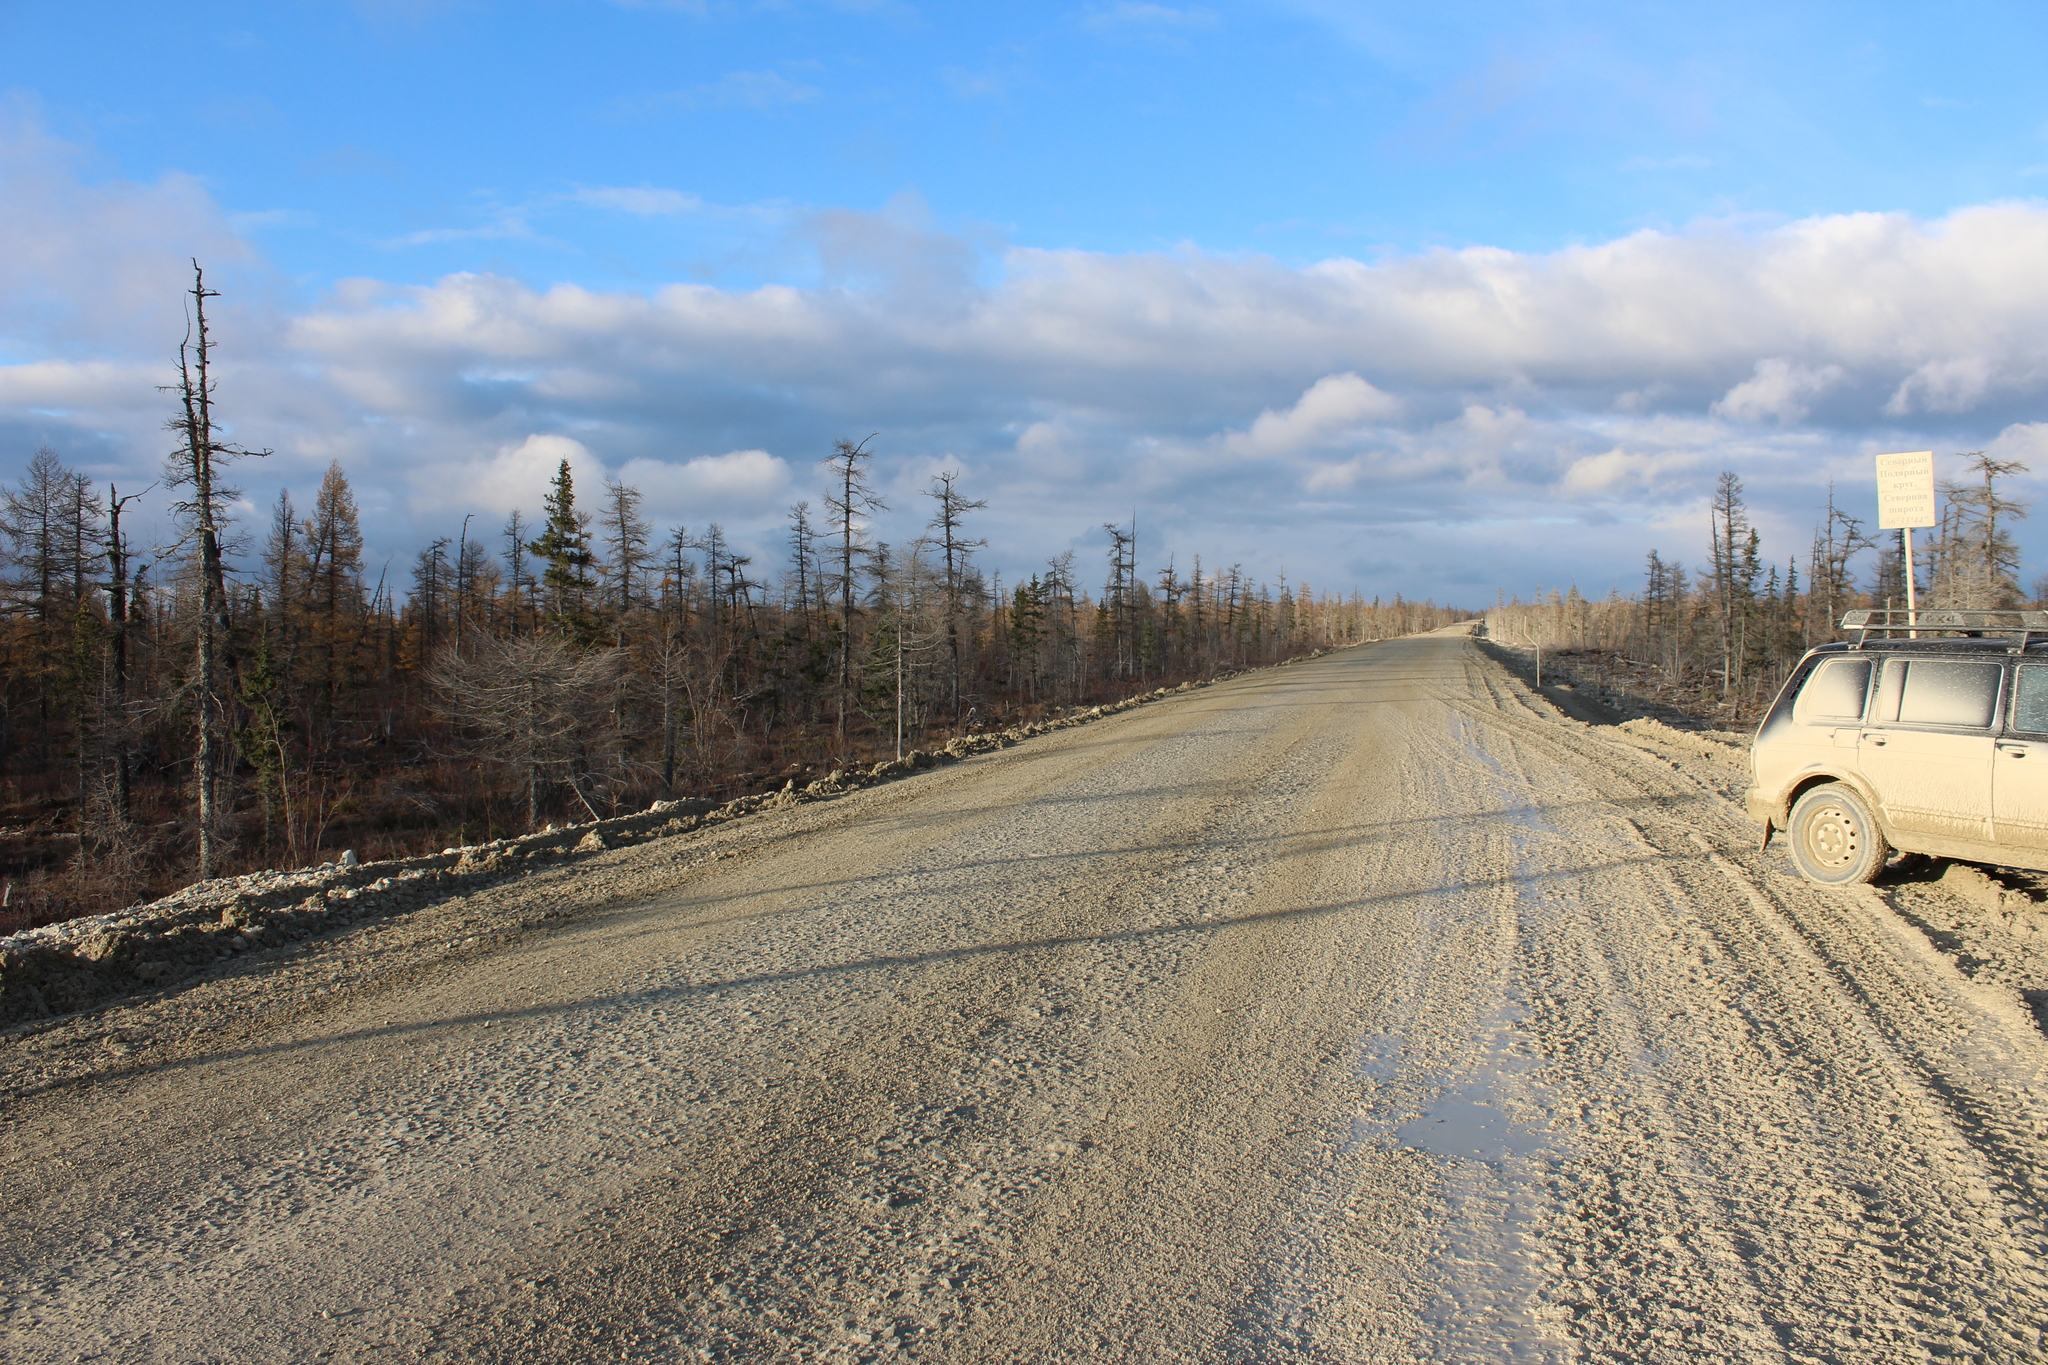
column 1835, row 839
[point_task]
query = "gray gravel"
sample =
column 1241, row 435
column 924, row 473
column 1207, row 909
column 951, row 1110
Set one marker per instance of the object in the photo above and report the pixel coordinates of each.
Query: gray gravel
column 1362, row 1010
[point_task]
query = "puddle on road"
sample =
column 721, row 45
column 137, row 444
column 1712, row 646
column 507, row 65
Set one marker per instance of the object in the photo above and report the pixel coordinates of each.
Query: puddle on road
column 1491, row 1110
column 1470, row 1129
column 1493, row 1126
column 1474, row 1101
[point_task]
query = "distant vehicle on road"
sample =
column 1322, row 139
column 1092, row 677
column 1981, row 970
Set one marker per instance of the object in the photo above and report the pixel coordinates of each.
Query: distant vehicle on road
column 1931, row 738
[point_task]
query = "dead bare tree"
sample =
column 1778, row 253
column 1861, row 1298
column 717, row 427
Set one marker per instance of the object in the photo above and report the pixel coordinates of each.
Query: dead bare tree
column 196, row 466
column 848, row 505
column 955, row 548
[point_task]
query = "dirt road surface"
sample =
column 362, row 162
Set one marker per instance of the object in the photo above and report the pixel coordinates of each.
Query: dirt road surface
column 1364, row 1010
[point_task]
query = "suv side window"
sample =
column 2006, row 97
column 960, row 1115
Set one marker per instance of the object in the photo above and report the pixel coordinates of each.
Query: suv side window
column 1834, row 692
column 2030, row 699
column 1945, row 692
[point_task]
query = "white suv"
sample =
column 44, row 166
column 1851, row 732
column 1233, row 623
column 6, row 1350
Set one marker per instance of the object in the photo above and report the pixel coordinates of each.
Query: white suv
column 1935, row 745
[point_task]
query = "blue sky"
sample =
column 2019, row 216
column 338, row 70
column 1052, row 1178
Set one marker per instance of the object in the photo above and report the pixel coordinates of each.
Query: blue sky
column 1381, row 295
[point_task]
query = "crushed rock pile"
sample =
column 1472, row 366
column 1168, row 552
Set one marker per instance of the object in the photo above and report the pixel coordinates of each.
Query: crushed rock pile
column 58, row 969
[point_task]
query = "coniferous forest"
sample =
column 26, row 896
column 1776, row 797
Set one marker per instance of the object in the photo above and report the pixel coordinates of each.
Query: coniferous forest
column 252, row 696
column 1719, row 641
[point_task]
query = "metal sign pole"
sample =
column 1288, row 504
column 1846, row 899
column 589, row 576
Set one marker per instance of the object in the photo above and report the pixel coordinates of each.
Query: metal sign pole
column 1905, row 499
column 1912, row 603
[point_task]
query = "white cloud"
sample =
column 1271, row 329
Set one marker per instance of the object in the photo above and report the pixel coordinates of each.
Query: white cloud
column 247, row 223
column 1646, row 323
column 1607, row 380
column 1335, row 478
column 711, row 486
column 1951, row 384
column 2026, row 442
column 61, row 385
column 1619, row 472
column 1778, row 389
column 512, row 476
column 1040, row 440
column 1333, row 405
column 89, row 258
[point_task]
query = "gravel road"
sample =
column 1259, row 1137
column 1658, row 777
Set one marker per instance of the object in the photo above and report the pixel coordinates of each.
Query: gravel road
column 1364, row 1010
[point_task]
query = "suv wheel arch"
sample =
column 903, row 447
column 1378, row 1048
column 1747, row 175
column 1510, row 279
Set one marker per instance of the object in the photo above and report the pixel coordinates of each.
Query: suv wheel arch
column 1812, row 780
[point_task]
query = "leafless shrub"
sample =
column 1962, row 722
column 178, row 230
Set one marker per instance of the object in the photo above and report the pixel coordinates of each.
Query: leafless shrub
column 534, row 704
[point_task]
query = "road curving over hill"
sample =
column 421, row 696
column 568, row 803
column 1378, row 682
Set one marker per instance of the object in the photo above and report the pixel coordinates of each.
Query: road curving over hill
column 1364, row 1010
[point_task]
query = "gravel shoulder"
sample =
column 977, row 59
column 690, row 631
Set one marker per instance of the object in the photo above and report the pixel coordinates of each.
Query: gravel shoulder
column 1365, row 1009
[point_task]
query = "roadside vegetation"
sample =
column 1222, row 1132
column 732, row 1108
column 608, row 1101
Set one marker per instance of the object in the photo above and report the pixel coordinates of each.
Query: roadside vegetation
column 1716, row 643
column 253, row 697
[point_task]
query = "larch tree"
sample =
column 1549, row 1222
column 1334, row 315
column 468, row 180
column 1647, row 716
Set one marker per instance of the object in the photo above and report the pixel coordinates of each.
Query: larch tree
column 1123, row 569
column 1732, row 570
column 524, row 702
column 119, row 597
column 1984, row 560
column 520, row 589
column 50, row 524
column 848, row 505
column 954, row 549
column 623, row 532
column 334, row 589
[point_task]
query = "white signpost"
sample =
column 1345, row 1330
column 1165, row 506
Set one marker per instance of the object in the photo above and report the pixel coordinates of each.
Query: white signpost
column 1905, row 499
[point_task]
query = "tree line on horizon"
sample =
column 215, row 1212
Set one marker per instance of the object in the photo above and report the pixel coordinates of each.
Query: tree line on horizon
column 235, row 701
column 1722, row 638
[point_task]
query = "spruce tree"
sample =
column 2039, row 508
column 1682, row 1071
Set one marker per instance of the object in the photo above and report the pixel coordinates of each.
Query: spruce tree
column 564, row 544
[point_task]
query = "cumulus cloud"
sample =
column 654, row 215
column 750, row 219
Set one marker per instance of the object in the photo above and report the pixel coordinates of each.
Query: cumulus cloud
column 511, row 477
column 1779, row 389
column 1619, row 472
column 95, row 386
column 1599, row 385
column 739, row 482
column 1141, row 337
column 1950, row 384
column 1335, row 478
column 1334, row 405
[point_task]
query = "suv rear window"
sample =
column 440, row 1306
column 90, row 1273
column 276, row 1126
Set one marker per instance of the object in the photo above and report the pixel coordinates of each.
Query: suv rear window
column 1939, row 692
column 1834, row 692
column 2030, row 700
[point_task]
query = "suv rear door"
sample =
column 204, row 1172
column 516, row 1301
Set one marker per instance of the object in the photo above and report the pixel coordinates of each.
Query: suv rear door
column 2019, row 766
column 1926, row 749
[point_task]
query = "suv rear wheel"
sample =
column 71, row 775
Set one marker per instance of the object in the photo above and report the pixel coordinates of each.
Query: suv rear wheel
column 1835, row 841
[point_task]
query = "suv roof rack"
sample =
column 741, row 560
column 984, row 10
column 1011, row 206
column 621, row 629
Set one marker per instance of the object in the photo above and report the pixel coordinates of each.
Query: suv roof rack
column 1891, row 620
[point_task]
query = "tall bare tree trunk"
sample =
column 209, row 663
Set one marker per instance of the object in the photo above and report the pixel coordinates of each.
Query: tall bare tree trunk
column 195, row 466
column 853, row 499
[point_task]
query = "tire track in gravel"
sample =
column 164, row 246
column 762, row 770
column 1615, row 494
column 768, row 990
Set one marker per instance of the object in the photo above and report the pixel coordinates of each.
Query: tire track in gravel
column 1363, row 1010
column 1832, row 1137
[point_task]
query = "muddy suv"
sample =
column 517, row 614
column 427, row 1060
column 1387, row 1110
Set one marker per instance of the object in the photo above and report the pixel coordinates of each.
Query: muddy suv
column 1934, row 745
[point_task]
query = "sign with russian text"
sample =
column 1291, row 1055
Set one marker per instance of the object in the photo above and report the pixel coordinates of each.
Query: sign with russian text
column 1905, row 490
